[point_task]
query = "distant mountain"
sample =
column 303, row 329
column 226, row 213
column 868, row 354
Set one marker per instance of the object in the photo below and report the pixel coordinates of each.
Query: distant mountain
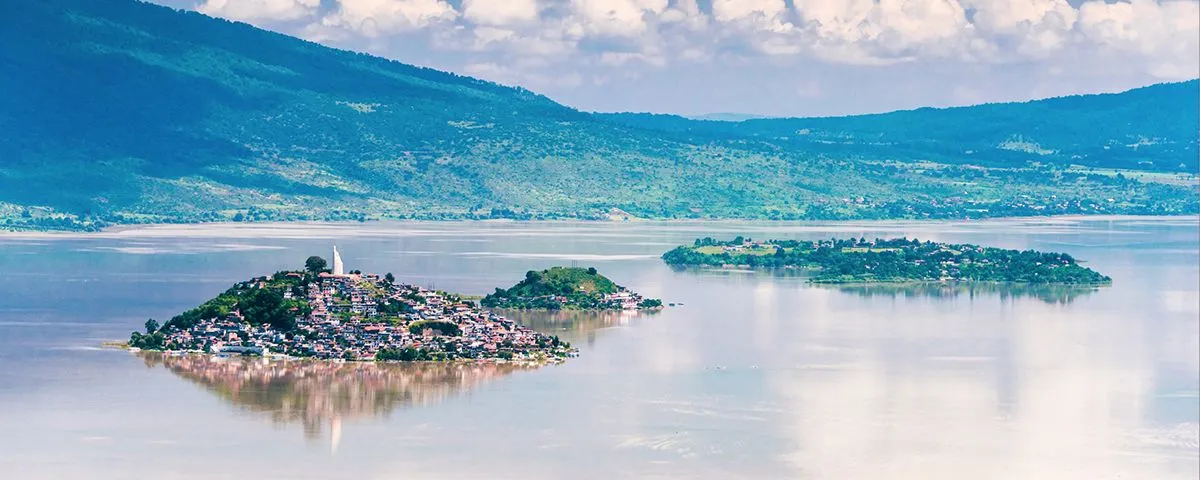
column 1151, row 128
column 726, row 117
column 116, row 111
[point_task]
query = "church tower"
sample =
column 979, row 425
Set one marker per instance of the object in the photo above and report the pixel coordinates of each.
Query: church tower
column 338, row 269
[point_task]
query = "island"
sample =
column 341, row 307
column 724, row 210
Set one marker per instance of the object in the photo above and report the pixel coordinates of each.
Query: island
column 568, row 288
column 328, row 314
column 897, row 260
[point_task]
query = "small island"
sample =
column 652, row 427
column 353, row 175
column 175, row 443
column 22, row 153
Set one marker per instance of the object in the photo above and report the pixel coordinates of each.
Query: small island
column 897, row 260
column 568, row 288
column 328, row 314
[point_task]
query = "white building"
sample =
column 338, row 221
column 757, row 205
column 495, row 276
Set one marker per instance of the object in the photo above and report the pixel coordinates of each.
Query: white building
column 338, row 268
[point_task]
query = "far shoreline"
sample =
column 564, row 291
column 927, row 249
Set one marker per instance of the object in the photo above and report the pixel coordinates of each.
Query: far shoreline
column 168, row 229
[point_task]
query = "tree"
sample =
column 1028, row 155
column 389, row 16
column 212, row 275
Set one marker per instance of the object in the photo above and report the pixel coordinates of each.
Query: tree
column 266, row 306
column 591, row 270
column 533, row 276
column 389, row 278
column 315, row 264
column 151, row 326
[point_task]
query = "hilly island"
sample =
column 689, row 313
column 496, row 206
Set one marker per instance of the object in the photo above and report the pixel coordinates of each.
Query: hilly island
column 327, row 313
column 563, row 288
column 897, row 260
column 119, row 112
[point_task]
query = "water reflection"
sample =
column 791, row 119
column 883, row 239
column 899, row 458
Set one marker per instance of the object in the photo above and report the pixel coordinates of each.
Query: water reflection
column 1052, row 294
column 316, row 394
column 577, row 327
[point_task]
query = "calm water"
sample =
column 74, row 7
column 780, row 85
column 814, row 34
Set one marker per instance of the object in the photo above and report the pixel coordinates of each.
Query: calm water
column 754, row 376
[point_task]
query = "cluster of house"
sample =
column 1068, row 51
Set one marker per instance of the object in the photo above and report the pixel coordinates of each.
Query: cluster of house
column 625, row 298
column 355, row 316
column 622, row 299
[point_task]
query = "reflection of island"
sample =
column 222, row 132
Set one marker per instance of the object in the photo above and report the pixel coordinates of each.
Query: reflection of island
column 574, row 326
column 1053, row 294
column 317, row 393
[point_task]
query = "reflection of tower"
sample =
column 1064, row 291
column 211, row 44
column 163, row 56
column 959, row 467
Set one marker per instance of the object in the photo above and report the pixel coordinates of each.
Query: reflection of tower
column 335, row 433
column 338, row 269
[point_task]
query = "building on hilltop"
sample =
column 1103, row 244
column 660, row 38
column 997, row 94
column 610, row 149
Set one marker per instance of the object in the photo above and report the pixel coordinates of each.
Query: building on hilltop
column 338, row 268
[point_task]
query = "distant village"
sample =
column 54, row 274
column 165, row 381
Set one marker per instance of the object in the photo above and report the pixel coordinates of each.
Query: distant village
column 353, row 316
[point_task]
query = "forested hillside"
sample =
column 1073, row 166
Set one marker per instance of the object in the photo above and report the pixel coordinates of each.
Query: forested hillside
column 116, row 111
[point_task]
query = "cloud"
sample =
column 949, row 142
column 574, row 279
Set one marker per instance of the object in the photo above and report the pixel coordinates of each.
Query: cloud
column 619, row 18
column 1060, row 45
column 248, row 10
column 1034, row 28
column 500, row 12
column 1162, row 35
column 736, row 10
column 375, row 18
column 866, row 31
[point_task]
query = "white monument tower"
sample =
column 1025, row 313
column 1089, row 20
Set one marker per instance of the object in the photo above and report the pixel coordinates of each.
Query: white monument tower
column 338, row 269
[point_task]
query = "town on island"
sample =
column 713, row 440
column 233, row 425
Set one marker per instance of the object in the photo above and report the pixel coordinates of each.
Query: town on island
column 326, row 312
column 896, row 260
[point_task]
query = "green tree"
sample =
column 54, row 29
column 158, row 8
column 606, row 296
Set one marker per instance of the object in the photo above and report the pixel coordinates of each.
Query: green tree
column 315, row 264
column 151, row 326
column 266, row 306
column 389, row 278
column 533, row 276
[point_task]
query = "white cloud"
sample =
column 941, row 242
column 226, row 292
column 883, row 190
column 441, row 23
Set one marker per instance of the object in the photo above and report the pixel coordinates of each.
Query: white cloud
column 734, row 10
column 1066, row 44
column 870, row 32
column 618, row 18
column 375, row 18
column 248, row 10
column 1163, row 35
column 621, row 58
column 1038, row 27
column 500, row 12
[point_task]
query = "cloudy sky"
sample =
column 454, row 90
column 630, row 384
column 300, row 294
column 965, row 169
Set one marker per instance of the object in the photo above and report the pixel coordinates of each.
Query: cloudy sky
column 770, row 57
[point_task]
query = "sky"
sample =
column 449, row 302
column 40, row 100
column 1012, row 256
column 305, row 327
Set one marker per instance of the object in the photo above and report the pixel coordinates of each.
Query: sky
column 761, row 57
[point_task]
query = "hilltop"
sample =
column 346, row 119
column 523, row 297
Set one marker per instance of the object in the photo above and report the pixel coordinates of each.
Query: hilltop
column 117, row 112
column 568, row 288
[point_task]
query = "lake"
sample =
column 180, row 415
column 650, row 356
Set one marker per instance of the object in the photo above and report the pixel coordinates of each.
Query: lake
column 754, row 375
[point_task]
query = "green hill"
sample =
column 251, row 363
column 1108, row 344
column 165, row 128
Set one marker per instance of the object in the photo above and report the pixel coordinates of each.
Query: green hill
column 116, row 111
column 564, row 288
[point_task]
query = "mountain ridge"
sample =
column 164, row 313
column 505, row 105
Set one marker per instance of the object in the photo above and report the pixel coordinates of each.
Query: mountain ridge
column 126, row 112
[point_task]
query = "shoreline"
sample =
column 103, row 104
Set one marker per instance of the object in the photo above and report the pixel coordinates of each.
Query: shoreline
column 275, row 357
column 808, row 280
column 151, row 229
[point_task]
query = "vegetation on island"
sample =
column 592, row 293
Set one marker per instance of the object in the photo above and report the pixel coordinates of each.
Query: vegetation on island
column 125, row 112
column 568, row 288
column 846, row 261
column 312, row 313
